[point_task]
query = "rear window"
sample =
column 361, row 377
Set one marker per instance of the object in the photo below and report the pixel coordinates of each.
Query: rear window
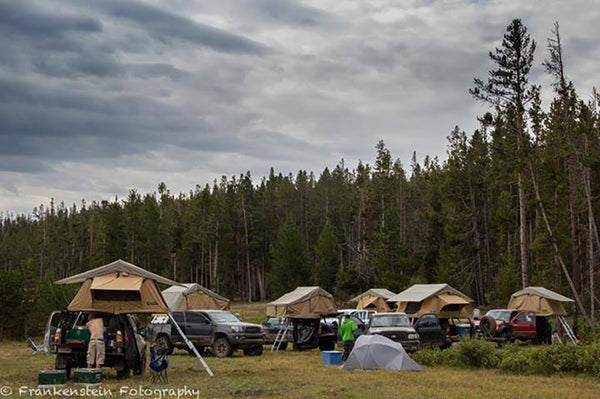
column 503, row 315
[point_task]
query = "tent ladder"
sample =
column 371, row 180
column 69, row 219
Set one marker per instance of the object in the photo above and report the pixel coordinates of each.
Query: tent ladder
column 191, row 345
column 567, row 329
column 280, row 336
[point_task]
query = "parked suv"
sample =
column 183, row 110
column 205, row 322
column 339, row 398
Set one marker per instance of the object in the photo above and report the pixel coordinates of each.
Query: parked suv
column 441, row 332
column 395, row 326
column 218, row 330
column 67, row 336
column 510, row 324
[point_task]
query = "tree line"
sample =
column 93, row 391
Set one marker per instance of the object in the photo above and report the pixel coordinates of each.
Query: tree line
column 513, row 205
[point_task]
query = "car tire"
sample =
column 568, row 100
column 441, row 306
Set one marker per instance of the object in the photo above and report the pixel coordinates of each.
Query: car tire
column 283, row 346
column 125, row 373
column 327, row 345
column 143, row 362
column 164, row 342
column 222, row 347
column 255, row 351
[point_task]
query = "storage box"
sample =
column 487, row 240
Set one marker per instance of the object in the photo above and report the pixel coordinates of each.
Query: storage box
column 52, row 377
column 332, row 357
column 77, row 336
column 463, row 330
column 88, row 376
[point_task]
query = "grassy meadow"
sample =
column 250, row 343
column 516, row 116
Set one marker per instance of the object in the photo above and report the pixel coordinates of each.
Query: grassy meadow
column 301, row 375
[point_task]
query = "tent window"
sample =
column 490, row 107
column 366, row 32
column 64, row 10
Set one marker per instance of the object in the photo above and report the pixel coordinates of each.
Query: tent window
column 116, row 295
column 412, row 307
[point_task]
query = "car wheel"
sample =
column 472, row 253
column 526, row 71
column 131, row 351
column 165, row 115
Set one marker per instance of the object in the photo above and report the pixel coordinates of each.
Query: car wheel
column 256, row 351
column 142, row 369
column 283, row 346
column 327, row 345
column 222, row 347
column 125, row 373
column 163, row 342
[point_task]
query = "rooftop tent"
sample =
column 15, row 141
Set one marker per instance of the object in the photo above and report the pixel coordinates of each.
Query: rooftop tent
column 375, row 351
column 194, row 297
column 442, row 299
column 540, row 300
column 374, row 299
column 118, row 287
column 303, row 303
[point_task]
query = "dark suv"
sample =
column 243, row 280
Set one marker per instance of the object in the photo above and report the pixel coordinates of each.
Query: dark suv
column 218, row 330
column 67, row 336
column 395, row 326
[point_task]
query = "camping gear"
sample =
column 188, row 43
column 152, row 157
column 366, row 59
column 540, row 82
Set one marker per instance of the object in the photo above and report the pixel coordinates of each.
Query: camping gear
column 77, row 335
column 303, row 303
column 331, row 357
column 442, row 299
column 540, row 300
column 373, row 352
column 304, row 306
column 88, row 376
column 52, row 377
column 159, row 363
column 194, row 297
column 33, row 346
column 463, row 330
column 374, row 299
column 120, row 287
column 543, row 302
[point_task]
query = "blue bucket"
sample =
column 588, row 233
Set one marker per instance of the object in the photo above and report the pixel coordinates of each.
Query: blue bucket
column 331, row 357
column 463, row 330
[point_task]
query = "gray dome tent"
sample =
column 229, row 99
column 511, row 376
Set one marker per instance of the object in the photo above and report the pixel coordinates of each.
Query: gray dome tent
column 373, row 352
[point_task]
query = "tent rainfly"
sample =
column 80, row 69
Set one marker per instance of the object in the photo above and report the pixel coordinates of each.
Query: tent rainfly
column 120, row 287
column 442, row 299
column 374, row 299
column 540, row 300
column 303, row 303
column 194, row 297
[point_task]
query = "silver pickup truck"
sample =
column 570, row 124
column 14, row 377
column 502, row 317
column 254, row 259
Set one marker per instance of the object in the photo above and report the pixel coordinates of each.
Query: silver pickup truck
column 216, row 330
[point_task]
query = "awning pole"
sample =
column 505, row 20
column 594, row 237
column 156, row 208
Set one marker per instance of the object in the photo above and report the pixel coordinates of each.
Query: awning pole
column 191, row 345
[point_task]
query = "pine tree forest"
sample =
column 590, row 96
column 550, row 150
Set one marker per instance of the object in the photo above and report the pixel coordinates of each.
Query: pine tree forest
column 514, row 203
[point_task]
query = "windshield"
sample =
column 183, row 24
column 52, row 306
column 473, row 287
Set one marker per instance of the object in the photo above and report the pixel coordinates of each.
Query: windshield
column 503, row 315
column 391, row 320
column 224, row 317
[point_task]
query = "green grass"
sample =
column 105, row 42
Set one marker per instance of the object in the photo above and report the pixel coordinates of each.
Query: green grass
column 254, row 312
column 301, row 375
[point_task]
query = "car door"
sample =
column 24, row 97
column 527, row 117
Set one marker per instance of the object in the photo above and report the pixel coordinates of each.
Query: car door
column 429, row 329
column 523, row 325
column 198, row 327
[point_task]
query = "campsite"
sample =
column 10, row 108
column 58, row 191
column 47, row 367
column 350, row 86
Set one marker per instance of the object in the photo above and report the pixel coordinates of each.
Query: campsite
column 301, row 375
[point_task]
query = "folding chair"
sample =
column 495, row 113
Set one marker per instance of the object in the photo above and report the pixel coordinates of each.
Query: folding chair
column 159, row 365
column 34, row 348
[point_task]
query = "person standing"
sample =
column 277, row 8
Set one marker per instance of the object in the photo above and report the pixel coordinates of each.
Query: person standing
column 96, row 348
column 348, row 328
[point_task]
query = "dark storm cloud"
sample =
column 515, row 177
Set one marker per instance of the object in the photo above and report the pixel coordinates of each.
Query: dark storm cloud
column 168, row 27
column 97, row 97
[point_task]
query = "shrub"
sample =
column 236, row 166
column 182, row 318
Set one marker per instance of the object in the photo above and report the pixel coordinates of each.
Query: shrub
column 477, row 353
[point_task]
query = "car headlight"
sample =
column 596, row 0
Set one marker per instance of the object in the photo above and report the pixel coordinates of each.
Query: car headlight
column 413, row 336
column 237, row 329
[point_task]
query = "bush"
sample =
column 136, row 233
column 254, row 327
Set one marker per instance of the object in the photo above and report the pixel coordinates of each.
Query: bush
column 547, row 359
column 477, row 353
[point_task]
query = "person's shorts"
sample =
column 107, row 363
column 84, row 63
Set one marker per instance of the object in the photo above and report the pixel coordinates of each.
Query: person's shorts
column 95, row 353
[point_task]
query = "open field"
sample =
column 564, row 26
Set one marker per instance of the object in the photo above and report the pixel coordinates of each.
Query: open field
column 299, row 375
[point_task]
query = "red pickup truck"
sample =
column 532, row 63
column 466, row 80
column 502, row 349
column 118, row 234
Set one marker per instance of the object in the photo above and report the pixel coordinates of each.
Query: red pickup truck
column 511, row 324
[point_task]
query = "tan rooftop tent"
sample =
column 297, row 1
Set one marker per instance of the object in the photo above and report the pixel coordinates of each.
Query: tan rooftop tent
column 118, row 287
column 540, row 300
column 303, row 303
column 442, row 299
column 193, row 296
column 374, row 299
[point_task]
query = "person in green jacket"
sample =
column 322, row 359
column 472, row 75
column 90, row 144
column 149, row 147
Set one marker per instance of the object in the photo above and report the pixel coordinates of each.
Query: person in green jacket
column 348, row 328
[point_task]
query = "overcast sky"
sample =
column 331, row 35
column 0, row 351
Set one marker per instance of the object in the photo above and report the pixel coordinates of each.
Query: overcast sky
column 97, row 97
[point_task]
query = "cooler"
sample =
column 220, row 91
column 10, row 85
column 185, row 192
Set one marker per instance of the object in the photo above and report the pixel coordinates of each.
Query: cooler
column 52, row 377
column 331, row 357
column 88, row 376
